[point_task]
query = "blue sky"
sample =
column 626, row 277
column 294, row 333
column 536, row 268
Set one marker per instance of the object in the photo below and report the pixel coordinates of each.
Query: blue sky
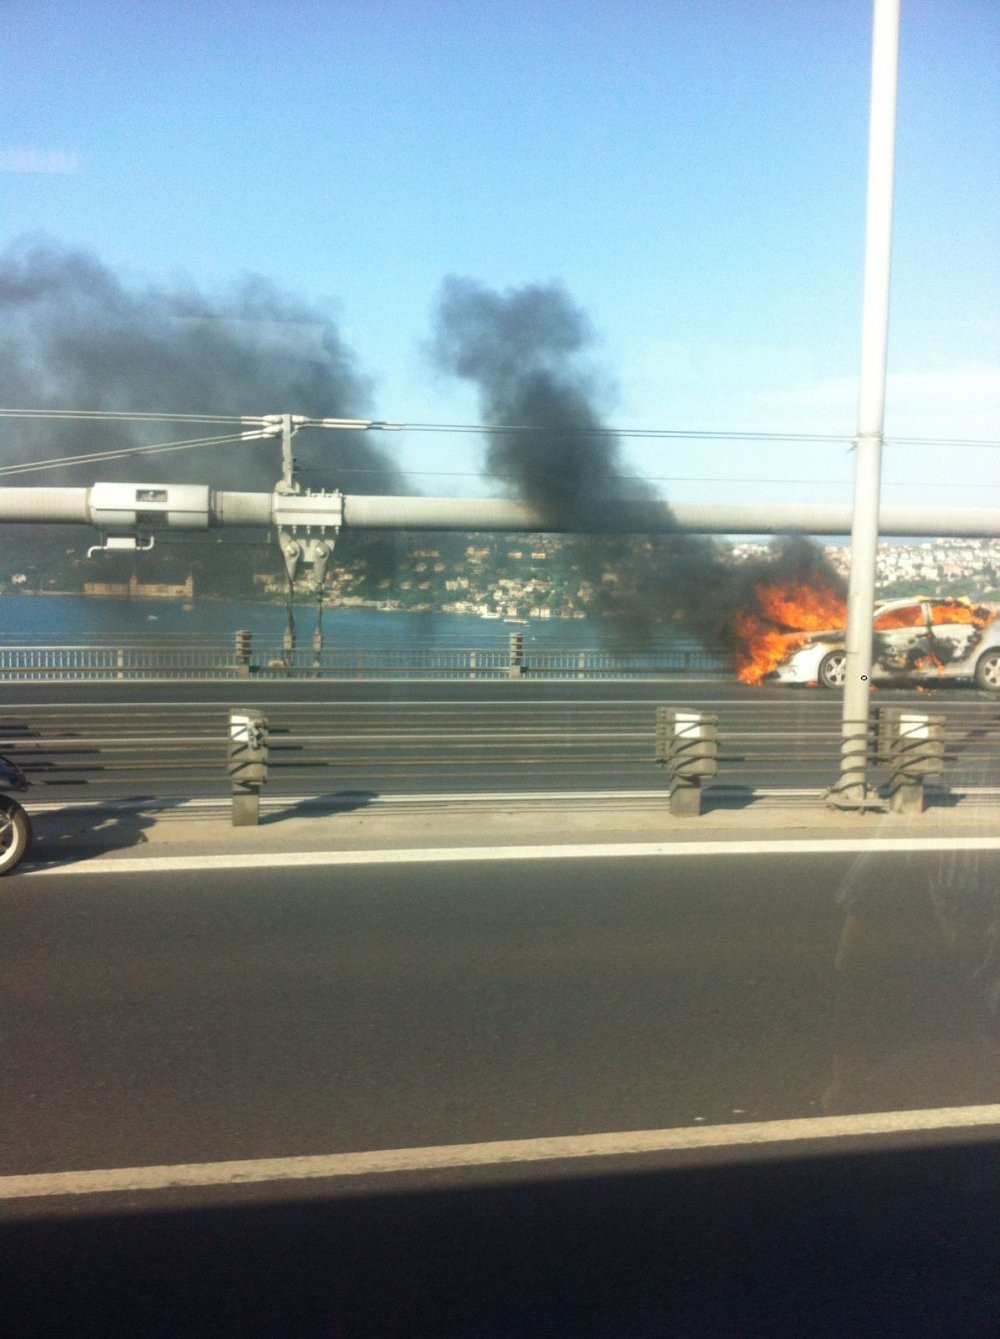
column 692, row 171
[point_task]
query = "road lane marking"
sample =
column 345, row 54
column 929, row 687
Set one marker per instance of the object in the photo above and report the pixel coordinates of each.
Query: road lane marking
column 459, row 854
column 387, row 1161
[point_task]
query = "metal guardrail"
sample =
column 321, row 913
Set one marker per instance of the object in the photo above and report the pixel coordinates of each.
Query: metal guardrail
column 756, row 742
column 132, row 660
column 112, row 662
column 395, row 747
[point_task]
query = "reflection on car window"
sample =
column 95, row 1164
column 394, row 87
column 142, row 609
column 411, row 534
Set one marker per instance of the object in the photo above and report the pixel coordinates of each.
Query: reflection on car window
column 909, row 616
column 918, row 987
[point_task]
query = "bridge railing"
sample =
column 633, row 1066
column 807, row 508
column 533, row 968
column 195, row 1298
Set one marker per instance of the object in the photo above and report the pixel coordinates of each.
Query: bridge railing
column 114, row 662
column 214, row 660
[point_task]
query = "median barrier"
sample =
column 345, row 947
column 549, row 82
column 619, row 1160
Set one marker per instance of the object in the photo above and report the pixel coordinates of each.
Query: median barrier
column 247, row 763
column 687, row 746
column 910, row 751
column 497, row 742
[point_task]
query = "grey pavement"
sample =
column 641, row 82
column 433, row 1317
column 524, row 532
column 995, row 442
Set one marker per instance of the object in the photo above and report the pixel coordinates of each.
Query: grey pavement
column 149, row 828
column 185, row 1015
column 180, row 1014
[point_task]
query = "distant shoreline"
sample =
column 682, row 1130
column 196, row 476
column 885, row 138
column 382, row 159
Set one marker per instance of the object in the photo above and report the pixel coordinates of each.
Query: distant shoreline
column 302, row 600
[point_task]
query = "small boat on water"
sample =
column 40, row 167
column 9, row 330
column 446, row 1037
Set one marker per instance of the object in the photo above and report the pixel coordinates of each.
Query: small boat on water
column 518, row 622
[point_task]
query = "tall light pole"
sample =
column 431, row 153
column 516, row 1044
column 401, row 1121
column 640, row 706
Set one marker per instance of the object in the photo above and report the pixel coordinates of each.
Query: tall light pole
column 851, row 789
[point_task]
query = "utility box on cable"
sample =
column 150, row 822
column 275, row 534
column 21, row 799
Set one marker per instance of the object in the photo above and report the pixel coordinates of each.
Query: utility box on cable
column 687, row 746
column 247, row 763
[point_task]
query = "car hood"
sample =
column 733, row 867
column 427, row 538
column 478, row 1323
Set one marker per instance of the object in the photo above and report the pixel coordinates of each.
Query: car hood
column 826, row 635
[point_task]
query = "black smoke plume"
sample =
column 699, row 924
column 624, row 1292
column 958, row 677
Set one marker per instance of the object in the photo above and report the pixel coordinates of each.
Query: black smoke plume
column 74, row 335
column 524, row 352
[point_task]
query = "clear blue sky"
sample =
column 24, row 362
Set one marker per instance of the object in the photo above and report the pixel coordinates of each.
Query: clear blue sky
column 691, row 170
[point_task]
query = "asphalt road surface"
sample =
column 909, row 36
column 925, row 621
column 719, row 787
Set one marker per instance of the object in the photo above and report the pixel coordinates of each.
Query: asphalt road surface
column 199, row 1015
column 205, row 1014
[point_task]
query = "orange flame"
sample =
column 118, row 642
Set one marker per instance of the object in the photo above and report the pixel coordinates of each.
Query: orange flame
column 961, row 611
column 768, row 635
column 910, row 616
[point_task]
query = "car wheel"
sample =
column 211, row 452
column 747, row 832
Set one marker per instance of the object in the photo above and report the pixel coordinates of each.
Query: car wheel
column 988, row 670
column 833, row 669
column 15, row 834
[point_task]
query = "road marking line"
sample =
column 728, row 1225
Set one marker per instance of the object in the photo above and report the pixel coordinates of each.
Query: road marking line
column 496, row 1153
column 279, row 802
column 459, row 854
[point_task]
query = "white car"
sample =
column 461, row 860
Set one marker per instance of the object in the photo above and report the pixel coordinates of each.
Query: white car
column 914, row 640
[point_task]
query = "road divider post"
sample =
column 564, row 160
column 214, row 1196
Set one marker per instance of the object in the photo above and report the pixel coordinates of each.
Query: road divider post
column 687, row 746
column 515, row 657
column 244, row 652
column 913, row 745
column 247, row 763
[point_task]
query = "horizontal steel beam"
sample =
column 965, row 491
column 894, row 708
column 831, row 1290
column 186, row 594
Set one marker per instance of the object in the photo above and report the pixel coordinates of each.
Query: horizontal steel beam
column 149, row 507
column 426, row 513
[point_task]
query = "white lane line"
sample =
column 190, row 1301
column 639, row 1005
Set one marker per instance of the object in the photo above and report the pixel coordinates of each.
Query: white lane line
column 399, row 797
column 460, row 854
column 496, row 1153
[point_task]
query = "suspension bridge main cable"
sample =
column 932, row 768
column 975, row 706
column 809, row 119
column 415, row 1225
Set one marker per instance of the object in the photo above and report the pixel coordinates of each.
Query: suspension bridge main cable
column 263, row 427
column 158, row 448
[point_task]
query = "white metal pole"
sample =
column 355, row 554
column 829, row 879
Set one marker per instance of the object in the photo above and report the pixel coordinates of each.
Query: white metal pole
column 851, row 790
column 85, row 506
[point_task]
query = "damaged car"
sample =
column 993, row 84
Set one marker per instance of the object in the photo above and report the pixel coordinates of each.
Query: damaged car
column 914, row 640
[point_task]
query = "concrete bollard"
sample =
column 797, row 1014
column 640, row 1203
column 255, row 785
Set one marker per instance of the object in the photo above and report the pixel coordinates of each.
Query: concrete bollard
column 687, row 745
column 685, row 798
column 244, row 639
column 913, row 744
column 515, row 656
column 247, row 763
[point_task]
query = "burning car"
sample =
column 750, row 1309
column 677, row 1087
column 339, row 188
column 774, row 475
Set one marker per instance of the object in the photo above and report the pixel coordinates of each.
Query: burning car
column 914, row 639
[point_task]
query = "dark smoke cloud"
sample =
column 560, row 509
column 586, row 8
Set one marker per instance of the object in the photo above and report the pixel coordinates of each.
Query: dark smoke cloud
column 524, row 350
column 74, row 335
